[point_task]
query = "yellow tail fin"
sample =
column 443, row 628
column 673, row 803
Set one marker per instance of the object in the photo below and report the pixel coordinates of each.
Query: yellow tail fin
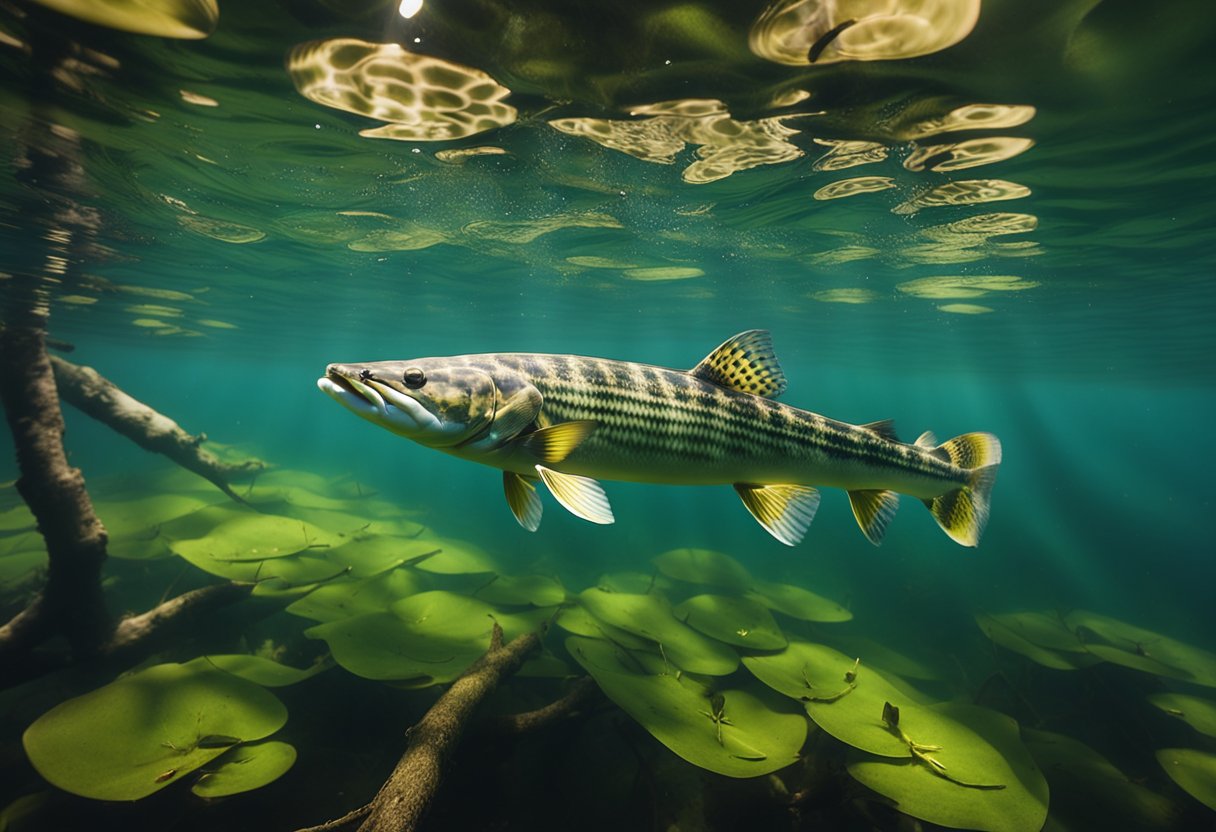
column 963, row 512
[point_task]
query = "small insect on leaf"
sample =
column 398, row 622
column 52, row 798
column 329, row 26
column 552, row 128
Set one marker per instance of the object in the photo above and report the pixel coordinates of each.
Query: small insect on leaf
column 166, row 775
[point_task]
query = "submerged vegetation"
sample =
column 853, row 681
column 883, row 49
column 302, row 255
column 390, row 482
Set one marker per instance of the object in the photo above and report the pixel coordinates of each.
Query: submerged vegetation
column 736, row 674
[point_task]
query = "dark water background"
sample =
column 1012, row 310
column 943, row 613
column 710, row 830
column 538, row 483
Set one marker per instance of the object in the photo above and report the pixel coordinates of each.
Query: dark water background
column 1098, row 379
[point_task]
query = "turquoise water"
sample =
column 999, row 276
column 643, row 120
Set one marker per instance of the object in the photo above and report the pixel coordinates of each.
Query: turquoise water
column 225, row 235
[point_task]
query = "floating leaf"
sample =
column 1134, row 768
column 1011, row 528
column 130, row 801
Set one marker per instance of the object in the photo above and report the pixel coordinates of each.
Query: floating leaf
column 371, row 555
column 980, row 775
column 1135, row 647
column 650, row 616
column 537, row 590
column 704, row 566
column 1089, row 792
column 735, row 621
column 884, row 658
column 381, row 646
column 1033, row 635
column 1193, row 770
column 1198, row 713
column 16, row 519
column 735, row 732
column 254, row 537
column 345, row 599
column 578, row 621
column 256, row 669
column 797, row 602
column 639, row 582
column 457, row 557
column 842, row 695
column 245, row 768
column 140, row 733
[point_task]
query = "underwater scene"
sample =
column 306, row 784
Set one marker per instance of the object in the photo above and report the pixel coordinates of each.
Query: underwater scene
column 671, row 416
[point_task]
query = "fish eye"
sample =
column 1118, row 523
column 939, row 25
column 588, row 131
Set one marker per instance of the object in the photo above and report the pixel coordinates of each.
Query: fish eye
column 413, row 378
column 365, row 374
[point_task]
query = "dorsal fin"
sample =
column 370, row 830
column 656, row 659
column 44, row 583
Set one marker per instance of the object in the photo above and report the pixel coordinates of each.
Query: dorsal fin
column 927, row 440
column 884, row 428
column 745, row 363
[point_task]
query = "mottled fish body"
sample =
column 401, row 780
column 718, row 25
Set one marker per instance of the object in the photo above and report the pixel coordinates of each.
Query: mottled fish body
column 570, row 420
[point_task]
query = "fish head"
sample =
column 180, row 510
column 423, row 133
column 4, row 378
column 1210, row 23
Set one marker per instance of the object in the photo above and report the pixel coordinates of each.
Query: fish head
column 431, row 401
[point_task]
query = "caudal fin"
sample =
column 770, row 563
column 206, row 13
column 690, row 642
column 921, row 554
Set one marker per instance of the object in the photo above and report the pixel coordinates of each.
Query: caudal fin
column 963, row 512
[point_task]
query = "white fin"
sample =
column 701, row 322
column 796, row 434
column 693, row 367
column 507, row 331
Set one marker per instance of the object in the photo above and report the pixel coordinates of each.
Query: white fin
column 745, row 363
column 927, row 440
column 581, row 496
column 556, row 442
column 522, row 498
column 785, row 511
column 874, row 510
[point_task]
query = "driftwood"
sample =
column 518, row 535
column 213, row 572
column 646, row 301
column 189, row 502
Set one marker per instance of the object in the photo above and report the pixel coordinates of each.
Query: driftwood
column 71, row 603
column 402, row 801
column 96, row 396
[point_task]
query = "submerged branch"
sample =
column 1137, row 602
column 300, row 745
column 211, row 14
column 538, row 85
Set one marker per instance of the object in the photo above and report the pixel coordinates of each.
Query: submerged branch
column 583, row 692
column 96, row 396
column 142, row 633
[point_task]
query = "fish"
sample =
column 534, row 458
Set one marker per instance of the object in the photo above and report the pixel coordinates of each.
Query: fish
column 568, row 421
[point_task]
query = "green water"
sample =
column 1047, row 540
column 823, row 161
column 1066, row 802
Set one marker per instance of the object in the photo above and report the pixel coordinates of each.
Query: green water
column 224, row 236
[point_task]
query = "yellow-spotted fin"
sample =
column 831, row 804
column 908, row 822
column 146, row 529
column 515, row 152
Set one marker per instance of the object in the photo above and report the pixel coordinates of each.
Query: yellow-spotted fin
column 785, row 511
column 963, row 512
column 556, row 442
column 874, row 510
column 523, row 500
column 581, row 496
column 745, row 363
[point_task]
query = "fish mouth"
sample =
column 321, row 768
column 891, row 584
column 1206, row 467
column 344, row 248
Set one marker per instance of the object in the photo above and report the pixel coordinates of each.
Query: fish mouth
column 377, row 402
column 350, row 392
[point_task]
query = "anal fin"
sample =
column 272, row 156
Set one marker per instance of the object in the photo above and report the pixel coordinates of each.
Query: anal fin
column 785, row 511
column 874, row 510
column 581, row 496
column 522, row 498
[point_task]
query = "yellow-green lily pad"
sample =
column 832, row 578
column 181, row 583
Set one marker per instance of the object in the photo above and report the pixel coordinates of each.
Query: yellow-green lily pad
column 650, row 616
column 140, row 548
column 22, row 543
column 369, row 556
column 255, row 537
column 16, row 566
column 16, row 519
column 704, row 566
column 257, row 669
column 797, row 602
column 1020, row 632
column 140, row 517
column 146, row 730
column 737, row 621
column 1089, row 792
column 1193, row 770
column 1135, row 647
column 886, row 659
column 733, row 731
column 577, row 621
column 842, row 695
column 345, row 599
column 638, row 582
column 1198, row 713
column 457, row 557
column 380, row 645
column 987, row 780
column 537, row 590
column 245, row 768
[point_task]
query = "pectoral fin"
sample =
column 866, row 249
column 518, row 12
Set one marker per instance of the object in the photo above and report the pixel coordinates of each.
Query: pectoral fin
column 786, row 511
column 523, row 500
column 874, row 510
column 581, row 496
column 555, row 442
column 519, row 411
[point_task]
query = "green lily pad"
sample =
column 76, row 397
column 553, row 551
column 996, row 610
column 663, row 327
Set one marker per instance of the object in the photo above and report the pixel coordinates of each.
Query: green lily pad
column 199, row 523
column 537, row 590
column 16, row 566
column 146, row 730
column 1194, row 771
column 276, row 573
column 21, row 543
column 1198, row 713
column 849, row 710
column 140, row 548
column 345, row 524
column 380, row 645
column 650, row 616
column 704, row 566
column 245, row 768
column 755, row 733
column 884, row 658
column 797, row 602
column 141, row 516
column 446, row 614
column 979, row 747
column 637, row 582
column 255, row 537
column 371, row 555
column 735, row 621
column 545, row 666
column 457, row 557
column 577, row 621
column 1018, row 632
column 1135, row 647
column 16, row 519
column 1089, row 792
column 344, row 599
column 256, row 669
